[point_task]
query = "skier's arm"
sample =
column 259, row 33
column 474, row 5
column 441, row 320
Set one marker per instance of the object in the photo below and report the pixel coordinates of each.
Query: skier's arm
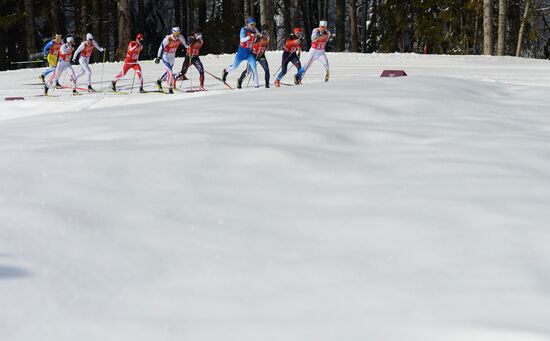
column 161, row 48
column 78, row 50
column 315, row 35
column 98, row 47
column 244, row 37
column 182, row 38
column 47, row 48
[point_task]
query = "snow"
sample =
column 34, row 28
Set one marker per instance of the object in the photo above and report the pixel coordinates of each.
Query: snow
column 359, row 209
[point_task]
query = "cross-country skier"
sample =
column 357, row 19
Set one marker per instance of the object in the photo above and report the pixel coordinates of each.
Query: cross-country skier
column 63, row 63
column 291, row 53
column 192, row 57
column 258, row 49
column 85, row 49
column 319, row 39
column 51, row 52
column 167, row 52
column 131, row 62
column 248, row 37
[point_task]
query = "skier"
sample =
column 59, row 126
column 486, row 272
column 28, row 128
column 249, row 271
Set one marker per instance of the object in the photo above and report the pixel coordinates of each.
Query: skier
column 319, row 39
column 51, row 51
column 85, row 49
column 291, row 53
column 258, row 49
column 63, row 63
column 248, row 35
column 167, row 52
column 193, row 52
column 131, row 62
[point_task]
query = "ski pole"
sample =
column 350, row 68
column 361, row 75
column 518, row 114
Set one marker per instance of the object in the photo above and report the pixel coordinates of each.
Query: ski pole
column 103, row 68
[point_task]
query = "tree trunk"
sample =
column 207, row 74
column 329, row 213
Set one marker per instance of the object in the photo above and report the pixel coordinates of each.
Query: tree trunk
column 191, row 16
column 124, row 27
column 502, row 6
column 202, row 14
column 177, row 13
column 522, row 28
column 487, row 27
column 141, row 16
column 58, row 24
column 96, row 27
column 340, row 25
column 247, row 9
column 30, row 41
column 286, row 17
column 353, row 23
column 264, row 12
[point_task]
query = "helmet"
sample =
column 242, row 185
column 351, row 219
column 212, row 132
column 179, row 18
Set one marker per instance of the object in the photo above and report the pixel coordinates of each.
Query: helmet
column 89, row 36
column 69, row 40
column 176, row 30
column 323, row 23
column 139, row 38
column 251, row 21
column 297, row 31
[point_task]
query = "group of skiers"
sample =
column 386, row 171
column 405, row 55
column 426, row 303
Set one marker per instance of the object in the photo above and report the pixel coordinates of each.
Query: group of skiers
column 252, row 47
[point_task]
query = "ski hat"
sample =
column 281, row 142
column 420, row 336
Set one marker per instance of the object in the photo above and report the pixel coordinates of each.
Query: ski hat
column 198, row 35
column 297, row 31
column 139, row 38
column 176, row 29
column 323, row 23
column 251, row 21
column 89, row 36
column 69, row 40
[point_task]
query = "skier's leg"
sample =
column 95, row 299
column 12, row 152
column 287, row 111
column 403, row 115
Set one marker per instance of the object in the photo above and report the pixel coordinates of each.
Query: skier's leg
column 137, row 70
column 252, row 65
column 265, row 66
column 200, row 68
column 73, row 75
column 323, row 59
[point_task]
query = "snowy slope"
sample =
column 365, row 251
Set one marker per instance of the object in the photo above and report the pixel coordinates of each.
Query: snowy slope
column 360, row 209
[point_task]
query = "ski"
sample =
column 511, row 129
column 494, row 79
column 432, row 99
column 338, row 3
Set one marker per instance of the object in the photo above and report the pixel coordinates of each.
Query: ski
column 221, row 80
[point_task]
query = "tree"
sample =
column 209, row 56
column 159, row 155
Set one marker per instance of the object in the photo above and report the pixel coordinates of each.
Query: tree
column 340, row 25
column 30, row 41
column 354, row 34
column 487, row 27
column 124, row 19
column 522, row 27
column 502, row 6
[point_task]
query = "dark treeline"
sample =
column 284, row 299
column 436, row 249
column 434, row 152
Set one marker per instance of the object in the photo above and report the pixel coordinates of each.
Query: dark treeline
column 504, row 27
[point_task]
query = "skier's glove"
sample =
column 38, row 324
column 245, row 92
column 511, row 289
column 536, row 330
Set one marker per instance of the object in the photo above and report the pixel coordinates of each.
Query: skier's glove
column 157, row 60
column 74, row 62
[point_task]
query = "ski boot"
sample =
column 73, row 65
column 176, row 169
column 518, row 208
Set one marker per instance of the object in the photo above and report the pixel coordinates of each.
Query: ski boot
column 142, row 91
column 75, row 93
column 42, row 78
column 240, row 83
column 46, row 90
column 267, row 85
column 327, row 76
column 58, row 86
column 297, row 80
column 113, row 86
column 170, row 91
column 277, row 83
column 159, row 84
column 90, row 89
column 224, row 75
column 202, row 88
